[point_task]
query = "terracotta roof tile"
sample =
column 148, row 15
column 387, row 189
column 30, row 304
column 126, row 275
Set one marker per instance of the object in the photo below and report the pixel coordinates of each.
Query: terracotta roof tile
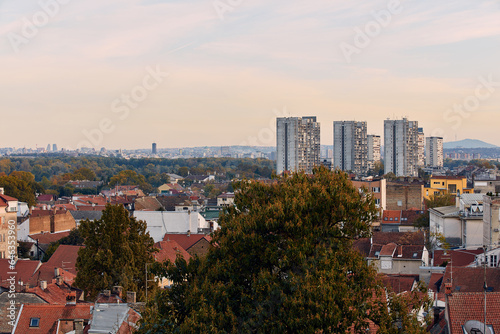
column 400, row 283
column 168, row 250
column 388, row 250
column 184, row 240
column 23, row 270
column 470, row 306
column 47, row 238
column 65, row 257
column 472, row 279
column 391, row 217
column 49, row 316
column 460, row 258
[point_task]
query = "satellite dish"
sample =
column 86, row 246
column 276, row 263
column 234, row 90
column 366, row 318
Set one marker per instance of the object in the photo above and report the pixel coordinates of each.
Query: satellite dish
column 475, row 327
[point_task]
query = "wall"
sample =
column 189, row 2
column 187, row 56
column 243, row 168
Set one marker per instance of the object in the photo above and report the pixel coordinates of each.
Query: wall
column 404, row 196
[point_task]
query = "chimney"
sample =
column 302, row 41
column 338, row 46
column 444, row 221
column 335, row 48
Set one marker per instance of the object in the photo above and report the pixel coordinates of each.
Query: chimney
column 59, row 280
column 118, row 290
column 56, row 272
column 447, row 288
column 43, row 285
column 78, row 326
column 107, row 293
column 71, row 298
column 189, row 233
column 131, row 297
column 2, row 191
column 26, row 287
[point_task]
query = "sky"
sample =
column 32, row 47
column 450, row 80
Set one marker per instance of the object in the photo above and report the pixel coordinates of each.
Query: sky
column 126, row 73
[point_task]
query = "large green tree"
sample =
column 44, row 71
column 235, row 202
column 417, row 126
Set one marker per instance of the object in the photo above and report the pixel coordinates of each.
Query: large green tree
column 282, row 262
column 117, row 248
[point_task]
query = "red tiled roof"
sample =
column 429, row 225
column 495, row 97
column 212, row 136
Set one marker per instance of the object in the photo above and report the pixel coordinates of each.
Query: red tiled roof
column 433, row 283
column 168, row 250
column 470, row 306
column 45, row 198
column 47, row 238
column 460, row 258
column 400, row 283
column 49, row 316
column 472, row 279
column 70, row 207
column 65, row 257
column 184, row 240
column 4, row 199
column 388, row 250
column 23, row 270
column 47, row 273
column 408, row 238
column 54, row 294
column 391, row 217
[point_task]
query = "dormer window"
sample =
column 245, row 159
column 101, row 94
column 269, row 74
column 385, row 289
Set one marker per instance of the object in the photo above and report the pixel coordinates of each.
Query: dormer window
column 34, row 322
column 415, row 255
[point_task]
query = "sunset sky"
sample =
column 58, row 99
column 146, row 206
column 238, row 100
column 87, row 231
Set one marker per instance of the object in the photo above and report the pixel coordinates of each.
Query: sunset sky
column 233, row 66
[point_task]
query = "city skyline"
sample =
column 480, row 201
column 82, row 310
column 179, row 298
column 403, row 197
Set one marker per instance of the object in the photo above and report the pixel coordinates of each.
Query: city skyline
column 202, row 75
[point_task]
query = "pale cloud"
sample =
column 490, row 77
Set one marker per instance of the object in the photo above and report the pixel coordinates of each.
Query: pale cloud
column 228, row 75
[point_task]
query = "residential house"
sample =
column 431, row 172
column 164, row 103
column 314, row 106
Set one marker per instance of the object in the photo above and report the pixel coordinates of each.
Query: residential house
column 455, row 185
column 168, row 187
column 404, row 195
column 52, row 319
column 8, row 226
column 484, row 185
column 161, row 222
column 225, row 200
column 391, row 220
column 377, row 187
column 147, row 204
column 51, row 221
column 194, row 244
column 394, row 252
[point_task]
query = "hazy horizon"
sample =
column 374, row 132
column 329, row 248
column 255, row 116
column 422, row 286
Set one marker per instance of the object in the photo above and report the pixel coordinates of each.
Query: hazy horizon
column 218, row 73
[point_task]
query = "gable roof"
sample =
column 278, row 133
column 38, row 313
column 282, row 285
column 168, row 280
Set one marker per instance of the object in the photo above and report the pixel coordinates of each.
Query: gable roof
column 24, row 269
column 184, row 240
column 147, row 204
column 407, row 238
column 49, row 316
column 47, row 238
column 65, row 257
column 459, row 258
column 54, row 294
column 4, row 200
column 467, row 279
column 168, row 250
column 391, row 217
column 400, row 283
column 463, row 307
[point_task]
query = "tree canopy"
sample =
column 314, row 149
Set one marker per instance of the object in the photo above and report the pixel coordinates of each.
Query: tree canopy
column 282, row 262
column 117, row 248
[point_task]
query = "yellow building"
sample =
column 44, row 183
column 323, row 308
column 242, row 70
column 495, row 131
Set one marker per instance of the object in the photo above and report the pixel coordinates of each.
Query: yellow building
column 447, row 185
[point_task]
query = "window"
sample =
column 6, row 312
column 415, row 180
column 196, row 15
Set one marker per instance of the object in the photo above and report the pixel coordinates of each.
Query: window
column 493, row 261
column 34, row 322
column 400, row 203
column 415, row 255
column 396, row 218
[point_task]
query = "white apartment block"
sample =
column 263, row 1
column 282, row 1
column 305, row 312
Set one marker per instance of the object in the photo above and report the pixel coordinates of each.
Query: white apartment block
column 401, row 147
column 350, row 146
column 297, row 143
column 434, row 152
column 421, row 147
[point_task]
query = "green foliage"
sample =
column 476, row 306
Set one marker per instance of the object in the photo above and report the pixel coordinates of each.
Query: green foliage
column 117, row 248
column 282, row 262
column 21, row 185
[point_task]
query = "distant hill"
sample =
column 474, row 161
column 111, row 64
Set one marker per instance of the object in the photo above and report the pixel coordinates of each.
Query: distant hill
column 467, row 143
